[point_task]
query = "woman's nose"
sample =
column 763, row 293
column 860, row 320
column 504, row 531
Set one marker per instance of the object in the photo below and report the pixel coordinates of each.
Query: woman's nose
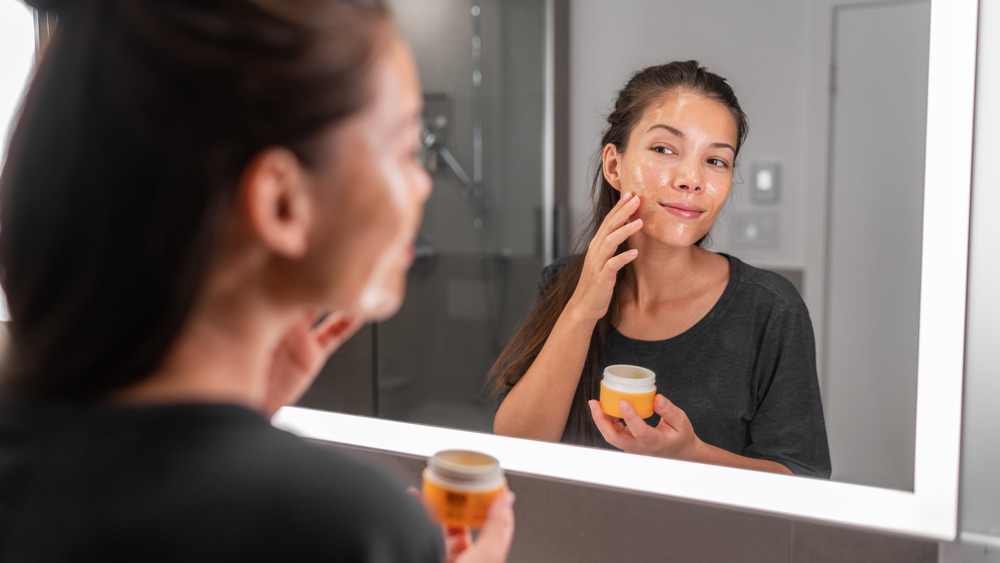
column 688, row 176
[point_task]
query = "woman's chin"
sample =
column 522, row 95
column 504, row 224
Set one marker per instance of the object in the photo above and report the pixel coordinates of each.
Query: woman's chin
column 378, row 304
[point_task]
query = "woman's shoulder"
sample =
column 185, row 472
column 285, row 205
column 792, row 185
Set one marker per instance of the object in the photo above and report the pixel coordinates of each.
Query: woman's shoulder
column 552, row 271
column 764, row 282
column 330, row 488
column 312, row 487
column 558, row 265
column 219, row 470
column 323, row 472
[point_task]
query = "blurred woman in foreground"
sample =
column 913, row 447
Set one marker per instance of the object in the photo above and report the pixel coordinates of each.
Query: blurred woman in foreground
column 188, row 187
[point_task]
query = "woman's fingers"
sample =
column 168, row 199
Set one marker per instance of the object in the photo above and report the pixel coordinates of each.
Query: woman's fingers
column 608, row 426
column 616, row 226
column 618, row 261
column 615, row 229
column 669, row 413
column 614, row 240
column 335, row 329
column 601, row 264
column 620, row 213
column 635, row 422
column 494, row 538
column 457, row 542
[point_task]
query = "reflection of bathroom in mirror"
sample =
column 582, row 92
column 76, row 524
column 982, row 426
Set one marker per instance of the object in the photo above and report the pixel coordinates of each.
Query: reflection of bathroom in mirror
column 835, row 92
column 479, row 253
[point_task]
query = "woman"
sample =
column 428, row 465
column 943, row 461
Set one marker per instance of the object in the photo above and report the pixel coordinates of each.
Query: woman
column 731, row 345
column 189, row 185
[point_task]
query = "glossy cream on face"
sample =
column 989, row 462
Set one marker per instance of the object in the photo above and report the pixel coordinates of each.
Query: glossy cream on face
column 675, row 157
column 460, row 485
column 634, row 384
column 405, row 186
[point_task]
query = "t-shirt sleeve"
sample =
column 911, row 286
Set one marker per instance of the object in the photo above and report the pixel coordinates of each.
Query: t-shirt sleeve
column 788, row 426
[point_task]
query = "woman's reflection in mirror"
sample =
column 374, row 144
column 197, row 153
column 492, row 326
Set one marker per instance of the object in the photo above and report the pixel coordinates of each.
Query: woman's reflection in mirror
column 731, row 344
column 190, row 185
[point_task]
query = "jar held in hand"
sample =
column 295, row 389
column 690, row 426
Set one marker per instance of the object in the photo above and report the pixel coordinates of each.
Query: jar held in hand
column 459, row 485
column 634, row 384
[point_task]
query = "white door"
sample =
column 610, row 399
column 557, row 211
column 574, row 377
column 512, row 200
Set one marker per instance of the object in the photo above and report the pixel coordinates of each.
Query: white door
column 879, row 84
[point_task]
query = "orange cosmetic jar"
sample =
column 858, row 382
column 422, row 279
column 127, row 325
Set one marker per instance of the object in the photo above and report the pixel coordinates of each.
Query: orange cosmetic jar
column 634, row 384
column 459, row 485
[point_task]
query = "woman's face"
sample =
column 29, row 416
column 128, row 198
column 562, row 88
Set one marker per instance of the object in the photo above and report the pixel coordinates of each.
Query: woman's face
column 370, row 200
column 679, row 160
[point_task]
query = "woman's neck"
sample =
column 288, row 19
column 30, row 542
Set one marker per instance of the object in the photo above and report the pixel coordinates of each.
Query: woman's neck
column 224, row 351
column 662, row 274
column 667, row 293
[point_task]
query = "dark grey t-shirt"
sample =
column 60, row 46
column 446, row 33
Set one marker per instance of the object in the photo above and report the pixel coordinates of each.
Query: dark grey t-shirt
column 192, row 482
column 745, row 374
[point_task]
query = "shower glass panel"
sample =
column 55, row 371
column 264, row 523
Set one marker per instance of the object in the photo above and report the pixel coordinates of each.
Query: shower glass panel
column 482, row 65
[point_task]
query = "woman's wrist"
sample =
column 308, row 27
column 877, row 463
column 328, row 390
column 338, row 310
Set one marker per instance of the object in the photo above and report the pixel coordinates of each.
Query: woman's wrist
column 579, row 314
column 701, row 452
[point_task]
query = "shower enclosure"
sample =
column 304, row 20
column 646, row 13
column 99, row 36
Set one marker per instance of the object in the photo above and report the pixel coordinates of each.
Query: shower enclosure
column 489, row 226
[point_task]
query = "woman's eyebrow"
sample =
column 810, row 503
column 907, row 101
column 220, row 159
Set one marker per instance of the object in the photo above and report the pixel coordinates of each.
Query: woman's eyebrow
column 679, row 133
column 673, row 130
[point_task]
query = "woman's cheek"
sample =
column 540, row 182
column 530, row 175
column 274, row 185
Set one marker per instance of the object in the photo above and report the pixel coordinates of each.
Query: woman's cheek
column 647, row 211
column 650, row 180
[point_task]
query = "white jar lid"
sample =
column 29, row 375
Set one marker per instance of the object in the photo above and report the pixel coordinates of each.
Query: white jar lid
column 465, row 468
column 629, row 379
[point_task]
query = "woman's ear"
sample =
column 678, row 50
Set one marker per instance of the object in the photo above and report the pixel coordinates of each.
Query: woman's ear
column 610, row 161
column 275, row 195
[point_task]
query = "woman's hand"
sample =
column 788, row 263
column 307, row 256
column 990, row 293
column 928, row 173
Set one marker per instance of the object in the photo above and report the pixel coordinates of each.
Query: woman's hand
column 600, row 266
column 301, row 354
column 493, row 540
column 673, row 437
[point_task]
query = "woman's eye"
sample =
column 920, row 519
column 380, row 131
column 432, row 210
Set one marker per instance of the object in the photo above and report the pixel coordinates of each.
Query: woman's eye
column 663, row 150
column 718, row 162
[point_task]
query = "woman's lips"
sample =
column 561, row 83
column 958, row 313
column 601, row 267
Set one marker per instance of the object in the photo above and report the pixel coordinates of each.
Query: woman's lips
column 683, row 210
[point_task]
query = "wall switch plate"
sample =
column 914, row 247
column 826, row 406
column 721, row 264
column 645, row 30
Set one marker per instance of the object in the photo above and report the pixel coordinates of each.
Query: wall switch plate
column 755, row 230
column 765, row 182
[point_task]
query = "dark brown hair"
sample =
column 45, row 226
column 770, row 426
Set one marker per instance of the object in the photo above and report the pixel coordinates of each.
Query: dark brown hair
column 124, row 163
column 642, row 89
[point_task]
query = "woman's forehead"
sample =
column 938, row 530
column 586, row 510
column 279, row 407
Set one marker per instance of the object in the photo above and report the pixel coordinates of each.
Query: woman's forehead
column 687, row 111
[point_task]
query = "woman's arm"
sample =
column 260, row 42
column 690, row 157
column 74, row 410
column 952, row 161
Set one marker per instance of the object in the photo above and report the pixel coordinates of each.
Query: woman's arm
column 539, row 404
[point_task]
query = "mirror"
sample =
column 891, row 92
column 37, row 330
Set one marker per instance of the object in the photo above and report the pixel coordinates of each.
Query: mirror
column 928, row 507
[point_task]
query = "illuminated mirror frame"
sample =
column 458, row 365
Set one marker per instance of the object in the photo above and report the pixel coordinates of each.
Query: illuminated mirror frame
column 930, row 510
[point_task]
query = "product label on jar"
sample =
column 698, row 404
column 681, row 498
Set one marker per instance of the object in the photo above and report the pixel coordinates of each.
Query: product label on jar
column 458, row 508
